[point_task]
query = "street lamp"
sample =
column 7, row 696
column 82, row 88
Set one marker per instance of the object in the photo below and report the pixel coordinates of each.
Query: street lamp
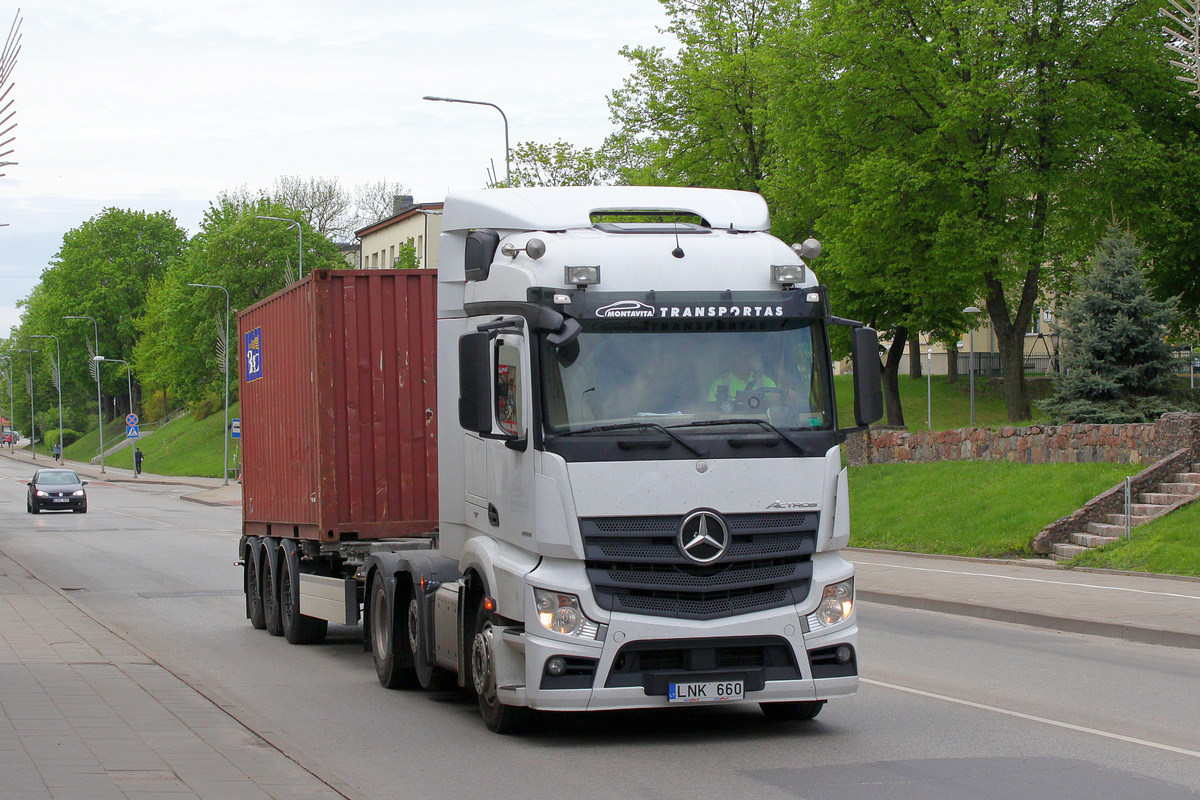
column 32, row 443
column 299, row 230
column 99, row 404
column 507, row 176
column 58, row 380
column 971, row 368
column 928, row 378
column 11, row 441
column 226, row 367
column 128, row 380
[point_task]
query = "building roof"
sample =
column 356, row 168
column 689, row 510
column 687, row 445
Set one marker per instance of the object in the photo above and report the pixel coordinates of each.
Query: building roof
column 403, row 214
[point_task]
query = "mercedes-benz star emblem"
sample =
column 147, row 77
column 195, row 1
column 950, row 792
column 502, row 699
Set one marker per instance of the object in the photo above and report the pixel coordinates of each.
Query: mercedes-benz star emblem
column 703, row 537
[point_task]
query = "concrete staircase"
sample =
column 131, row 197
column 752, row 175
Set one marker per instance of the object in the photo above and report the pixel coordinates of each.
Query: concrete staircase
column 1178, row 490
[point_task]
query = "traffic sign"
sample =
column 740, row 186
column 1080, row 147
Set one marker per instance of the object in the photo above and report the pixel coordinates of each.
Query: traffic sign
column 131, row 431
column 235, row 429
column 131, row 419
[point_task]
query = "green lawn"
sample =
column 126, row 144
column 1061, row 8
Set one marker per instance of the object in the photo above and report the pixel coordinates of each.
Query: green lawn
column 1170, row 545
column 184, row 447
column 969, row 508
column 951, row 403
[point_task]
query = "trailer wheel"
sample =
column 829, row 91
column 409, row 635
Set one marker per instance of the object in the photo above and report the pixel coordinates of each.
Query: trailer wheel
column 387, row 636
column 254, row 601
column 270, row 587
column 789, row 711
column 297, row 628
column 498, row 717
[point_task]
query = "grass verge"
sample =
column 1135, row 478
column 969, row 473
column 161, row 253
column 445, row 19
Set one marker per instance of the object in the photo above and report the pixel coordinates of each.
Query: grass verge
column 1169, row 545
column 969, row 508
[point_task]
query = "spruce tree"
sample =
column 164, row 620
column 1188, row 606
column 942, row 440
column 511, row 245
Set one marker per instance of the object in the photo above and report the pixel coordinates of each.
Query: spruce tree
column 1116, row 361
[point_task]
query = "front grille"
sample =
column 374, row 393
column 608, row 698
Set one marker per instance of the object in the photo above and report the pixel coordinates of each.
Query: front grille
column 635, row 565
column 654, row 664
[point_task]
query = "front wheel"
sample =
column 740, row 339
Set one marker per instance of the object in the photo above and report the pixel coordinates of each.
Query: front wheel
column 789, row 711
column 498, row 717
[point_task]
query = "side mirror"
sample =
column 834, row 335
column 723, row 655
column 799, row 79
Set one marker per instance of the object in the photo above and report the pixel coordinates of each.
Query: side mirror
column 868, row 389
column 474, row 391
column 83, row 483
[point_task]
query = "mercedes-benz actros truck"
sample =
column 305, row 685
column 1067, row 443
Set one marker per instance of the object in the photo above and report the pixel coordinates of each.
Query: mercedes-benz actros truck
column 590, row 462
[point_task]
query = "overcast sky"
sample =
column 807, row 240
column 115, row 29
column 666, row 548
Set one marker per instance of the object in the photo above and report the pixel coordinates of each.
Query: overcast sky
column 154, row 105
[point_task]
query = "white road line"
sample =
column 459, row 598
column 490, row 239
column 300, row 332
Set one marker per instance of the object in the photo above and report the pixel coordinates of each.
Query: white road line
column 1034, row 718
column 1028, row 580
column 133, row 516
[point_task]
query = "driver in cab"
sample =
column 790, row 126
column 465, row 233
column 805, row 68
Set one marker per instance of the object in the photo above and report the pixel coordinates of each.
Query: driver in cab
column 745, row 374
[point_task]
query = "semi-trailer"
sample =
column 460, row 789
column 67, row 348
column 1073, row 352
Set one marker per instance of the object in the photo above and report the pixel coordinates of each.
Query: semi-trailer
column 592, row 461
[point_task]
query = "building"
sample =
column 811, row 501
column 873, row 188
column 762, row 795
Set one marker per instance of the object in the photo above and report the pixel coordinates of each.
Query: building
column 416, row 224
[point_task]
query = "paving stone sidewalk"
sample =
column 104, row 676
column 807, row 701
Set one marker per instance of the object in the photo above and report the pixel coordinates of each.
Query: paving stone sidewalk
column 84, row 715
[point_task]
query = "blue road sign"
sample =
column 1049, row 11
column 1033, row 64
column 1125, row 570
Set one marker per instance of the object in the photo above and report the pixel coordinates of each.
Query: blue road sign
column 131, row 431
column 235, row 428
column 131, row 419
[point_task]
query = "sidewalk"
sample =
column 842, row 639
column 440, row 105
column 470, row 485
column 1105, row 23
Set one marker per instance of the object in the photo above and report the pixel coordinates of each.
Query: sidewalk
column 1140, row 608
column 84, row 715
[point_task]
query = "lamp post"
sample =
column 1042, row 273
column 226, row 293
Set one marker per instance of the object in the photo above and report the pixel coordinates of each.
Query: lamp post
column 128, row 380
column 58, row 368
column 929, row 379
column 226, row 368
column 32, row 443
column 99, row 404
column 12, row 441
column 299, row 230
column 971, row 367
column 507, row 175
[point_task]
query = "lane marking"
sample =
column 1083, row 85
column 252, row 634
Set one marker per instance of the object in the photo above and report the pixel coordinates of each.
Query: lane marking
column 1028, row 580
column 1034, row 718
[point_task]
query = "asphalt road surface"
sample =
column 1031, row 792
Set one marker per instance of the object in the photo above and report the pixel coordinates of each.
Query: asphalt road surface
column 949, row 707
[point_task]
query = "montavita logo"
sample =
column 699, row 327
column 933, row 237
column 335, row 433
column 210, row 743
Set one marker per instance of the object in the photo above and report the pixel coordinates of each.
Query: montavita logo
column 626, row 308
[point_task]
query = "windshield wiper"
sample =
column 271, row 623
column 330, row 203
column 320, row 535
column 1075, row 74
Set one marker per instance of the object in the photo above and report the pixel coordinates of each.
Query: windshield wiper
column 744, row 421
column 618, row 426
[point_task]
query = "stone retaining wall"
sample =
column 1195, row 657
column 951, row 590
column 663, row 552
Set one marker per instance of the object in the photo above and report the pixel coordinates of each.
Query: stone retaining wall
column 1138, row 443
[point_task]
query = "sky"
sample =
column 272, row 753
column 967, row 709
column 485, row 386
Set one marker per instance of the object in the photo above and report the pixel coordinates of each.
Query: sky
column 152, row 105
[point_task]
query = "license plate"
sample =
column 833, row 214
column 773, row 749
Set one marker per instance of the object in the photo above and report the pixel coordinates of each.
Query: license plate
column 710, row 692
column 60, row 500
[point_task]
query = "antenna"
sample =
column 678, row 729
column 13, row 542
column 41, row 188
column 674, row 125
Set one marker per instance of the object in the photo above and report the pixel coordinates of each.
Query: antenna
column 678, row 251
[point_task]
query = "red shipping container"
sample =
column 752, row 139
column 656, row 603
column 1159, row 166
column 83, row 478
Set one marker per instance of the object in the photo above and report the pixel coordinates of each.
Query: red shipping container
column 338, row 407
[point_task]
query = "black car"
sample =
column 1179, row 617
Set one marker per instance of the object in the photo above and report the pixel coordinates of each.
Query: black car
column 56, row 490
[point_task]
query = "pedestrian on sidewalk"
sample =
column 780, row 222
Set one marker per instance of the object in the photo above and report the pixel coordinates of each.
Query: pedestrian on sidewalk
column 57, row 453
column 137, row 461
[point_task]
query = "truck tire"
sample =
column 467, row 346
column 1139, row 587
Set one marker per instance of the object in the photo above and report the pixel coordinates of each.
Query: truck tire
column 789, row 711
column 270, row 587
column 388, row 638
column 254, row 601
column 498, row 717
column 297, row 628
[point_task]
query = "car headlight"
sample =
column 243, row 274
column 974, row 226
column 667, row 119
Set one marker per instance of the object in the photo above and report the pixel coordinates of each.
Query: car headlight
column 40, row 493
column 837, row 604
column 560, row 613
column 77, row 493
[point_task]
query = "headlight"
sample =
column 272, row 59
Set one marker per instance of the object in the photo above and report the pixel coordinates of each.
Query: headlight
column 40, row 493
column 837, row 603
column 561, row 614
column 77, row 493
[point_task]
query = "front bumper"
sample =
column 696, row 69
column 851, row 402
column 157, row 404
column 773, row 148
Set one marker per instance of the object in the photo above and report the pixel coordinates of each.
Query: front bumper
column 769, row 651
column 60, row 504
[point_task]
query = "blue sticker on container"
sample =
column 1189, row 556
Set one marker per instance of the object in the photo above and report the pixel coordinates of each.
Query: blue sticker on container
column 253, row 351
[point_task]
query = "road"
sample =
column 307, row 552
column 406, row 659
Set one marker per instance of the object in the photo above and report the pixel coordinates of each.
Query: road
column 949, row 707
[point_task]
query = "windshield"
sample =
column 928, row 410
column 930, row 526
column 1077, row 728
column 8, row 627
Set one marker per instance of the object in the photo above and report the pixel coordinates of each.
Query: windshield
column 661, row 372
column 58, row 478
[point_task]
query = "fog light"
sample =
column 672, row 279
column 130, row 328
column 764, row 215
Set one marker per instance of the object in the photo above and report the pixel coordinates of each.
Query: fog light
column 843, row 654
column 556, row 666
column 787, row 273
column 582, row 276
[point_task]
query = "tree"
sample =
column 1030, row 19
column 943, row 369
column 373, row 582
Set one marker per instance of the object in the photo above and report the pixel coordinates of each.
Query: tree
column 1117, row 364
column 558, row 164
column 327, row 207
column 374, row 201
column 102, row 270
column 964, row 149
column 180, row 333
column 700, row 118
